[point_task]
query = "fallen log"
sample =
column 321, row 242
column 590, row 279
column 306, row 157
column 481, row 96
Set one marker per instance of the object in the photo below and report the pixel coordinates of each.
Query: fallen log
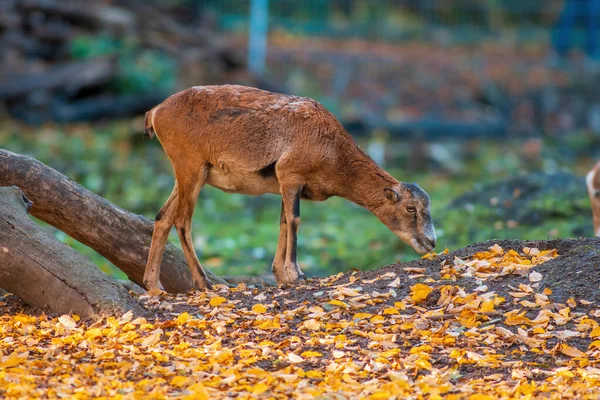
column 72, row 11
column 48, row 274
column 123, row 238
column 105, row 106
column 70, row 77
column 87, row 109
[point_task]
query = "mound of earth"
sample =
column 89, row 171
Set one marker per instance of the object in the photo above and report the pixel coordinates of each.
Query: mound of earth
column 504, row 319
column 574, row 274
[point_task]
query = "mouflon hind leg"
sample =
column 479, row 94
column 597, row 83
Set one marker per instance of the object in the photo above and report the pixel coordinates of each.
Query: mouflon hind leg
column 189, row 190
column 162, row 226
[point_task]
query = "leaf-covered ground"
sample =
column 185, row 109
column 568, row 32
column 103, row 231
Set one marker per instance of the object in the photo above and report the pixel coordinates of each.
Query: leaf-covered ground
column 495, row 320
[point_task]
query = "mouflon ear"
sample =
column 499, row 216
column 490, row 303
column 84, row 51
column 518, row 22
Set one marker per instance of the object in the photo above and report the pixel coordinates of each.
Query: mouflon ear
column 392, row 195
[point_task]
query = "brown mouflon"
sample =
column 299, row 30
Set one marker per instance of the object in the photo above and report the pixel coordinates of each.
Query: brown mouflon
column 245, row 140
column 593, row 186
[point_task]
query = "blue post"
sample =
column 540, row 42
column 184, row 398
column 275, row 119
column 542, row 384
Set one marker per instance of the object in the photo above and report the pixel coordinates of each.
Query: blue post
column 257, row 37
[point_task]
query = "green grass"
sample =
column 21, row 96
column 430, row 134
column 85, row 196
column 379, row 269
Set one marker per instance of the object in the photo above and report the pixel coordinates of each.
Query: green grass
column 237, row 235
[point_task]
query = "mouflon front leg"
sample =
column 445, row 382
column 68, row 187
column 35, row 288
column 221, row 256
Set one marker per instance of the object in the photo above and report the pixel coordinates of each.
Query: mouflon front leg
column 279, row 260
column 289, row 272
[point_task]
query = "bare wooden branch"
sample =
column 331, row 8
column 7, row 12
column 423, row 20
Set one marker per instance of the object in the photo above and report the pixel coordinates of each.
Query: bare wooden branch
column 46, row 273
column 121, row 237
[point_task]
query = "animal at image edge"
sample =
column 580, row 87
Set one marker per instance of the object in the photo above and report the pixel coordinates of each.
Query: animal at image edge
column 245, row 140
column 593, row 186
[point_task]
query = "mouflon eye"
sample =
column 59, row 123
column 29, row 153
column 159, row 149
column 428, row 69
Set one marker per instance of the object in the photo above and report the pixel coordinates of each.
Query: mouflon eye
column 411, row 209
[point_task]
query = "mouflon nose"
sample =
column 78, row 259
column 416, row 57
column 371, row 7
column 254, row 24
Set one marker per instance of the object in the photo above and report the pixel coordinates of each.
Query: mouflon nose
column 432, row 242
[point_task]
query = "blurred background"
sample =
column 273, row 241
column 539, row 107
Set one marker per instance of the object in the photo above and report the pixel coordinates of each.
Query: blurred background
column 492, row 106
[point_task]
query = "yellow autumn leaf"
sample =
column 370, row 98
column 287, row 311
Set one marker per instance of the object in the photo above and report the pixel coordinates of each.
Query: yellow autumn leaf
column 128, row 337
column 338, row 303
column 308, row 354
column 179, row 381
column 314, row 374
column 340, row 339
column 571, row 351
column 87, row 369
column 360, row 316
column 595, row 332
column 183, row 318
column 456, row 353
column 197, row 392
column 390, row 311
column 424, row 364
column 259, row 309
column 93, row 333
column 516, row 318
column 487, row 306
column 24, row 319
column 269, row 325
column 217, row 301
column 480, row 396
column 260, row 388
column 419, row 292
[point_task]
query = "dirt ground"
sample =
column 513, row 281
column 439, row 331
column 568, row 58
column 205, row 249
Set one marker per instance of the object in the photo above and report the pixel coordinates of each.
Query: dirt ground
column 538, row 320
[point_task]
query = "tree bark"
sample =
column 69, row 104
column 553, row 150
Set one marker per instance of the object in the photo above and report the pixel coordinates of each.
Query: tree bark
column 46, row 273
column 123, row 238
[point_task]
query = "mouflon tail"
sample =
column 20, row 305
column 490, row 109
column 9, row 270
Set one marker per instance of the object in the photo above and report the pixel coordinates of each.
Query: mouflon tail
column 148, row 127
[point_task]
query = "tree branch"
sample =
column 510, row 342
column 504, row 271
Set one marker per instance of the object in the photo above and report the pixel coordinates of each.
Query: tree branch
column 123, row 238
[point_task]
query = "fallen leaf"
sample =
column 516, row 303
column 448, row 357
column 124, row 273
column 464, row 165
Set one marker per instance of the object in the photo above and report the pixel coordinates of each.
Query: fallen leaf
column 259, row 309
column 67, row 321
column 217, row 301
column 312, row 324
column 153, row 339
column 395, row 283
column 419, row 292
column 571, row 351
column 535, row 276
column 294, row 358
